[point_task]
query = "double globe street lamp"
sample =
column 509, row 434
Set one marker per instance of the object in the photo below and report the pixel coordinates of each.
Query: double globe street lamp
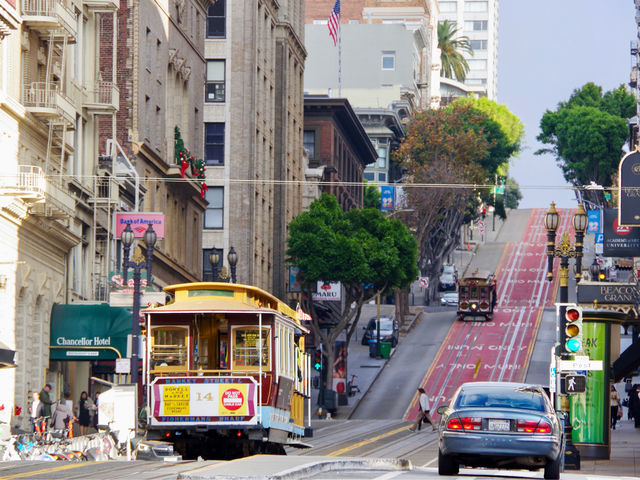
column 565, row 251
column 127, row 237
column 214, row 259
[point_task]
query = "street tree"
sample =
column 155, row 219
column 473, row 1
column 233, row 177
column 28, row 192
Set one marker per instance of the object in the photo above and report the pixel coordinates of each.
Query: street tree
column 371, row 196
column 441, row 148
column 452, row 47
column 367, row 252
column 586, row 135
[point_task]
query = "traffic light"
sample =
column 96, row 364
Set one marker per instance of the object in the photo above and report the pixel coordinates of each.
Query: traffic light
column 572, row 383
column 484, row 212
column 573, row 329
column 602, row 276
column 317, row 363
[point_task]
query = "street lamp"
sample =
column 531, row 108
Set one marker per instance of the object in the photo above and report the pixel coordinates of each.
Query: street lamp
column 127, row 238
column 594, row 270
column 564, row 251
column 214, row 259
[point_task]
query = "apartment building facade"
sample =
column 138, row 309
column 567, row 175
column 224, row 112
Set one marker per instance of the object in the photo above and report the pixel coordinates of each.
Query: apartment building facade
column 253, row 123
column 91, row 94
column 477, row 20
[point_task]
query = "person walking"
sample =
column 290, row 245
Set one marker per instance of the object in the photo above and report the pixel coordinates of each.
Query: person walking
column 616, row 406
column 46, row 400
column 83, row 412
column 423, row 412
column 61, row 415
column 36, row 411
column 634, row 405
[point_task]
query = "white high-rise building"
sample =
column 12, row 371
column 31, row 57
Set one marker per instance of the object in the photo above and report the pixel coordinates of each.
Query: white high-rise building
column 477, row 20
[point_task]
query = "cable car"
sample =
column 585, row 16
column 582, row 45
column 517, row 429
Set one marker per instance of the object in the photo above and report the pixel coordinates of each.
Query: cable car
column 477, row 296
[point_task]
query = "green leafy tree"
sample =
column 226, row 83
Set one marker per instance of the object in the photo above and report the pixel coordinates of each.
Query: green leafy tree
column 371, row 196
column 454, row 65
column 512, row 194
column 365, row 251
column 586, row 135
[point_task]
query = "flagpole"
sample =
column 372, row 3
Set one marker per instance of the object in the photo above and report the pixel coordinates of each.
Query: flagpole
column 339, row 56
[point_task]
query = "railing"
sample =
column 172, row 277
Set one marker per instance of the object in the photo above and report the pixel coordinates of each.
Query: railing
column 54, row 9
column 40, row 95
column 28, row 180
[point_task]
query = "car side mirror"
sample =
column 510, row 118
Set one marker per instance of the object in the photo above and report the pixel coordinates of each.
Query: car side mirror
column 441, row 409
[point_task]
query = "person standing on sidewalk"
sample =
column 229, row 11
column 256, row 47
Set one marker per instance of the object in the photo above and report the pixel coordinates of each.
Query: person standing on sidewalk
column 614, row 402
column 423, row 412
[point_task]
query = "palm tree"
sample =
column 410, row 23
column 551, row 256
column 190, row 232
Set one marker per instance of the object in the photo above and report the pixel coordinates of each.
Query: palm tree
column 453, row 62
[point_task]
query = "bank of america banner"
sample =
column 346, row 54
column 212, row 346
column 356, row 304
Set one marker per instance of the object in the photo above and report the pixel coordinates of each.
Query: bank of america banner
column 629, row 194
column 619, row 241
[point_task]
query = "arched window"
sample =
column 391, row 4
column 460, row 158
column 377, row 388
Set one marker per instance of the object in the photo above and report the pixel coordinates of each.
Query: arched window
column 216, row 19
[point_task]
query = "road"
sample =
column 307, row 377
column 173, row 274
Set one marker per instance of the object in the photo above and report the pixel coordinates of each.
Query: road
column 438, row 352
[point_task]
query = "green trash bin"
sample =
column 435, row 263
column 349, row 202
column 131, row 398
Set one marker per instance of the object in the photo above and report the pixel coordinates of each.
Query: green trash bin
column 385, row 349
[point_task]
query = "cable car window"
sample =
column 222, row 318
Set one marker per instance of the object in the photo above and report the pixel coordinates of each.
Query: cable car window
column 247, row 349
column 474, row 292
column 484, row 293
column 169, row 348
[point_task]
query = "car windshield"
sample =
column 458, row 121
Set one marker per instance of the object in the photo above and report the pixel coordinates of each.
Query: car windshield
column 448, row 269
column 385, row 324
column 520, row 397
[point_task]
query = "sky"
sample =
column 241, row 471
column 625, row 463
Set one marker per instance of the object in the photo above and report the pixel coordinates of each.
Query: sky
column 546, row 49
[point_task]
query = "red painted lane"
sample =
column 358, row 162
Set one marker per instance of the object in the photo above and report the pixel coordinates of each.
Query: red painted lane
column 499, row 350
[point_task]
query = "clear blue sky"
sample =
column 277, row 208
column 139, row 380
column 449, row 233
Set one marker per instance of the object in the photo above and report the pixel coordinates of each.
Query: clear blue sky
column 546, row 49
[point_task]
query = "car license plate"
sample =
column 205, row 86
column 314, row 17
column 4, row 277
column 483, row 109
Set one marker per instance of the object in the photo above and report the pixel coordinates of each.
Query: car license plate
column 499, row 425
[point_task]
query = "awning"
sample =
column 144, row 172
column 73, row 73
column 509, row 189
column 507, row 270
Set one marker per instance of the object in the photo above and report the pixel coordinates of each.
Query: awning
column 627, row 363
column 7, row 356
column 89, row 332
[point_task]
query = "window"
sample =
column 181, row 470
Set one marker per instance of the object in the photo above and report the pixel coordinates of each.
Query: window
column 476, row 6
column 321, row 22
column 382, row 157
column 215, row 81
column 388, row 60
column 369, row 176
column 213, row 215
column 214, row 143
column 216, row 19
column 382, row 177
column 309, row 140
column 448, row 7
column 354, row 22
column 476, row 81
column 475, row 64
column 169, row 349
column 476, row 25
column 478, row 44
column 249, row 350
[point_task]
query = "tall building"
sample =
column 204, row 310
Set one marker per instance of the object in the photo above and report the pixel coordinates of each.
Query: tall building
column 477, row 20
column 91, row 94
column 253, row 123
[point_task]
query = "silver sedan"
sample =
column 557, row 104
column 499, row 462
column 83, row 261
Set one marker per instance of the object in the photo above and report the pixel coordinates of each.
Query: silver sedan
column 500, row 425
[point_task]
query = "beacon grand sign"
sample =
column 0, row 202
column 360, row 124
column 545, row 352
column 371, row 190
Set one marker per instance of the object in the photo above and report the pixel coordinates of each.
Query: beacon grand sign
column 611, row 293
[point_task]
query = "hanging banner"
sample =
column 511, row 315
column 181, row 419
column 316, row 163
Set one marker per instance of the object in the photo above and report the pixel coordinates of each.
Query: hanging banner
column 139, row 222
column 387, row 197
column 593, row 221
column 619, row 240
column 629, row 190
column 588, row 415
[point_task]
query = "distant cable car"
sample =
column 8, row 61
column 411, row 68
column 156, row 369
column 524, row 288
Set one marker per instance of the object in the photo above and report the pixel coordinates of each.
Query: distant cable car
column 477, row 296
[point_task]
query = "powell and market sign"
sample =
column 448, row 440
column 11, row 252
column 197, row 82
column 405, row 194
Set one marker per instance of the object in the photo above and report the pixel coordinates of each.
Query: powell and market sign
column 615, row 293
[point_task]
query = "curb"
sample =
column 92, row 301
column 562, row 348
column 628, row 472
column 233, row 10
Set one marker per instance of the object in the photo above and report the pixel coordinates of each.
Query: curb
column 295, row 473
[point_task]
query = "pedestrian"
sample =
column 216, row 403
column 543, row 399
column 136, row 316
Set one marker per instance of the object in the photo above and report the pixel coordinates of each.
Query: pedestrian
column 634, row 405
column 616, row 406
column 83, row 412
column 423, row 412
column 94, row 416
column 36, row 411
column 61, row 415
column 46, row 400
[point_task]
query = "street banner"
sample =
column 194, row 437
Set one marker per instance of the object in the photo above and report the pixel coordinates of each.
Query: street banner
column 588, row 415
column 619, row 240
column 593, row 221
column 629, row 189
column 387, row 197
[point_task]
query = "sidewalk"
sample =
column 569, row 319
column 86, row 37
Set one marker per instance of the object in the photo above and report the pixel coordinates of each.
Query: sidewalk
column 625, row 454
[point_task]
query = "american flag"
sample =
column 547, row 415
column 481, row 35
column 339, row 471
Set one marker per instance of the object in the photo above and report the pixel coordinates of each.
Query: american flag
column 334, row 21
column 301, row 314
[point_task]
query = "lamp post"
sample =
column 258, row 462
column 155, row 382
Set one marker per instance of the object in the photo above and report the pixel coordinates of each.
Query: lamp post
column 127, row 238
column 594, row 270
column 232, row 258
column 564, row 251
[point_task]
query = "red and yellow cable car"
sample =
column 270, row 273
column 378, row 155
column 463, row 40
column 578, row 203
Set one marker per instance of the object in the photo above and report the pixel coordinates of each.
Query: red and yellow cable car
column 477, row 294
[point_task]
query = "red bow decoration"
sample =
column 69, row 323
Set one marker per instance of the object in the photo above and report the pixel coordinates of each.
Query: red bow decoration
column 18, row 410
column 183, row 167
column 203, row 189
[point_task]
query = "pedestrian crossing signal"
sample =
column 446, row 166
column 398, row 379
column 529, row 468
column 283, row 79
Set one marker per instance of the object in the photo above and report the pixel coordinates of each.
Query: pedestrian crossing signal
column 573, row 384
column 573, row 329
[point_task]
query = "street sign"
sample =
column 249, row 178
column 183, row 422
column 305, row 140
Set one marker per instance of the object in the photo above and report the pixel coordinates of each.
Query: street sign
column 571, row 383
column 579, row 364
column 481, row 227
column 552, row 379
column 423, row 282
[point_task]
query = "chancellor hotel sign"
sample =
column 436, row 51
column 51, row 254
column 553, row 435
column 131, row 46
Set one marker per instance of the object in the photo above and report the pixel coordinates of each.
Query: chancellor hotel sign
column 604, row 292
